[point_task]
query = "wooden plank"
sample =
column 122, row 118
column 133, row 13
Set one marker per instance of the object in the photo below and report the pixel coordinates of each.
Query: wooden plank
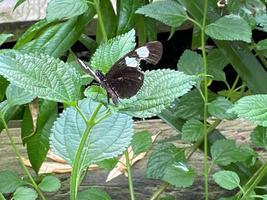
column 118, row 187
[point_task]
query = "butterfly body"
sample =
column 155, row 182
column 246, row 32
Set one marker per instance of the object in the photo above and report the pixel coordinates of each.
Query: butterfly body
column 125, row 77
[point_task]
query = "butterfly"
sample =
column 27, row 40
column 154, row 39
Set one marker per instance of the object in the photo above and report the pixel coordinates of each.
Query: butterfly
column 125, row 78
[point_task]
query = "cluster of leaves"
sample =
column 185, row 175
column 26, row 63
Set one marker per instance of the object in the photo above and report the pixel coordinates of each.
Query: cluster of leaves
column 90, row 131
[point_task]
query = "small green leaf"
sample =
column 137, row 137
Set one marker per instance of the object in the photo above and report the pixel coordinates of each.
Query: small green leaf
column 96, row 93
column 4, row 37
column 9, row 181
column 259, row 137
column 168, row 12
column 141, row 142
column 229, row 28
column 2, row 196
column 159, row 90
column 18, row 3
column 17, row 96
column 227, row 179
column 190, row 63
column 262, row 45
column 179, row 175
column 50, row 184
column 218, row 108
column 192, row 130
column 93, row 194
column 41, row 75
column 108, row 53
column 252, row 108
column 224, row 152
column 65, row 9
column 108, row 164
column 107, row 139
column 23, row 193
column 164, row 155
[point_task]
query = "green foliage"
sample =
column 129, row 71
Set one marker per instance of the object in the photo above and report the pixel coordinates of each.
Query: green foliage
column 259, row 137
column 93, row 193
column 65, row 9
column 168, row 12
column 141, row 142
column 252, row 108
column 192, row 130
column 229, row 28
column 18, row 3
column 227, row 179
column 159, row 90
column 218, row 108
column 4, row 37
column 9, row 181
column 23, row 193
column 107, row 139
column 50, row 184
column 29, row 71
column 190, row 63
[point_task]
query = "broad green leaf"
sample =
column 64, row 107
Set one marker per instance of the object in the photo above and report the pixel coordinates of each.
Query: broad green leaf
column 167, row 12
column 261, row 21
column 141, row 142
column 41, row 75
column 65, row 9
column 18, row 96
column 218, row 108
column 224, row 152
column 38, row 143
column 126, row 14
column 179, row 175
column 216, row 62
column 108, row 53
column 192, row 130
column 229, row 28
column 107, row 139
column 164, row 155
column 4, row 37
column 146, row 29
column 159, row 90
column 50, row 184
column 190, row 63
column 259, row 137
column 227, row 179
column 93, row 194
column 97, row 93
column 9, row 181
column 23, row 193
column 252, row 108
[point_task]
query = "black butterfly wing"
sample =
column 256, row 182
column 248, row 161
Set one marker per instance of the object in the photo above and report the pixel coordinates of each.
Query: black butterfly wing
column 125, row 82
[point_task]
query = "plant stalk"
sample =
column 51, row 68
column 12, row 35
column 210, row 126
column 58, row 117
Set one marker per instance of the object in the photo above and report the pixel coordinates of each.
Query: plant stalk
column 130, row 177
column 16, row 151
column 100, row 20
column 156, row 194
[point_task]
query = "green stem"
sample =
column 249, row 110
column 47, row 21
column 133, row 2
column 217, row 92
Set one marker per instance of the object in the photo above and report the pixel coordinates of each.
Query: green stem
column 100, row 20
column 130, row 178
column 16, row 151
column 76, row 168
column 205, row 129
column 156, row 195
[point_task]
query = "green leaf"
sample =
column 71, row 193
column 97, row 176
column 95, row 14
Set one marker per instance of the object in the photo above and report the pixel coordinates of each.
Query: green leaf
column 164, row 155
column 93, row 194
column 192, row 130
column 107, row 139
column 3, row 85
column 227, row 179
column 18, row 96
column 252, row 108
column 261, row 21
column 179, row 175
column 190, row 63
column 108, row 53
column 126, row 14
column 159, row 90
column 18, row 3
column 23, row 193
column 218, row 108
column 65, row 9
column 38, row 143
column 141, row 142
column 108, row 164
column 2, row 196
column 229, row 28
column 97, row 93
column 50, row 184
column 88, row 42
column 259, row 137
column 4, row 37
column 262, row 45
column 224, row 152
column 56, row 80
column 167, row 12
column 9, row 181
